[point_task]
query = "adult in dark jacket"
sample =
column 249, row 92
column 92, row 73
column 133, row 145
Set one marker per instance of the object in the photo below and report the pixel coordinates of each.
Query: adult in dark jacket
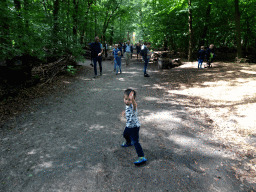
column 138, row 47
column 96, row 52
column 210, row 55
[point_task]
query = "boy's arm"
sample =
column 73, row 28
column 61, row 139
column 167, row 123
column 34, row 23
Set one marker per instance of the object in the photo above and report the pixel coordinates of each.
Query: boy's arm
column 134, row 105
column 133, row 101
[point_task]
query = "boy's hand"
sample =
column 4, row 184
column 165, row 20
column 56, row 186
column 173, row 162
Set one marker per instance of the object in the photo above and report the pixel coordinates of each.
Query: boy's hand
column 133, row 100
column 131, row 96
column 123, row 113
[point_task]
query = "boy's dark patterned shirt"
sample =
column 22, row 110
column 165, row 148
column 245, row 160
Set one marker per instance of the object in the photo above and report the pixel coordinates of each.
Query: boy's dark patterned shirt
column 131, row 117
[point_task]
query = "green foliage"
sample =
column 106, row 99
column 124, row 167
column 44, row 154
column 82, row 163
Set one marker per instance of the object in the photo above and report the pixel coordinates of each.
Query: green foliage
column 70, row 69
column 66, row 28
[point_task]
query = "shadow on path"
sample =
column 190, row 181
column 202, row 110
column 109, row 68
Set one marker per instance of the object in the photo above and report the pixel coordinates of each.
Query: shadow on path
column 72, row 142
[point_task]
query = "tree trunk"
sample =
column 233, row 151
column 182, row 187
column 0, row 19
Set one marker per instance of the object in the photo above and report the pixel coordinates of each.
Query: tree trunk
column 55, row 20
column 190, row 31
column 89, row 3
column 246, row 37
column 95, row 21
column 26, row 3
column 238, row 29
column 17, row 5
column 165, row 44
column 82, row 37
column 111, row 35
column 67, row 29
column 207, row 18
column 5, row 39
column 75, row 2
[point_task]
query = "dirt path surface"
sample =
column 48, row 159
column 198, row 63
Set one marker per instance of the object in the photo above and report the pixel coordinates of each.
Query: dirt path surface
column 71, row 142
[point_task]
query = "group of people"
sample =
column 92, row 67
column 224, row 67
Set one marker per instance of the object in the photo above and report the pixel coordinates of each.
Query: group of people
column 119, row 51
column 209, row 54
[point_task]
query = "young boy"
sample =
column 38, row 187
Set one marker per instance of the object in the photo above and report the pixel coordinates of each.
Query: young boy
column 200, row 57
column 131, row 132
column 210, row 55
column 118, row 62
column 115, row 51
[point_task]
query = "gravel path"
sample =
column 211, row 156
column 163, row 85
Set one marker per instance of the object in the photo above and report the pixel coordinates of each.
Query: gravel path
column 72, row 141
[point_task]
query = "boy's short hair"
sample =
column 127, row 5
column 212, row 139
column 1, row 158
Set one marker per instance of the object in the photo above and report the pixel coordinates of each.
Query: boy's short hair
column 128, row 91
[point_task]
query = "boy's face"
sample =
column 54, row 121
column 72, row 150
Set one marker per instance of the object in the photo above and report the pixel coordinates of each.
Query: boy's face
column 127, row 100
column 115, row 46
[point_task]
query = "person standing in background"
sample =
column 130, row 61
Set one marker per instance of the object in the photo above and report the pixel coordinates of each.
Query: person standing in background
column 128, row 51
column 106, row 49
column 138, row 47
column 96, row 52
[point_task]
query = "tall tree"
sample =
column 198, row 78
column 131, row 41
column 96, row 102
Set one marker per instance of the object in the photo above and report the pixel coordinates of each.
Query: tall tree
column 190, row 31
column 5, row 40
column 206, row 23
column 75, row 12
column 111, row 8
column 56, row 9
column 238, row 29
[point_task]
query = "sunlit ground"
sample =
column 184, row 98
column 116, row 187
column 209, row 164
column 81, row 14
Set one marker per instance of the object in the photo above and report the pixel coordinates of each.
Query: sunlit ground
column 225, row 94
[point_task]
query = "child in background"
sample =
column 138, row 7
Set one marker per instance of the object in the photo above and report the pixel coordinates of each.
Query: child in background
column 131, row 132
column 118, row 62
column 210, row 55
column 115, row 50
column 200, row 57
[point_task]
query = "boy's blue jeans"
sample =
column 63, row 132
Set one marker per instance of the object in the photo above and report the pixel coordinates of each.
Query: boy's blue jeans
column 146, row 64
column 115, row 63
column 118, row 65
column 200, row 62
column 95, row 59
column 132, row 134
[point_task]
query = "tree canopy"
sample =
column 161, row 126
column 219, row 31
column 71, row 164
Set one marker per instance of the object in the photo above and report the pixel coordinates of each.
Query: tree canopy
column 27, row 26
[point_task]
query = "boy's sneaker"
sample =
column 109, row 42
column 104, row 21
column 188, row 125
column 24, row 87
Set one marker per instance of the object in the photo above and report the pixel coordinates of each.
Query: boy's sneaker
column 140, row 160
column 124, row 144
column 146, row 75
column 100, row 73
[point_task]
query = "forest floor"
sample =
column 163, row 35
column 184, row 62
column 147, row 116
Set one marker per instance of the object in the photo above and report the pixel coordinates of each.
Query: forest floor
column 197, row 131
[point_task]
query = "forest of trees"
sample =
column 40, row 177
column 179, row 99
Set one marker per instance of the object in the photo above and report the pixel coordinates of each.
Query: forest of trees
column 65, row 26
column 28, row 26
